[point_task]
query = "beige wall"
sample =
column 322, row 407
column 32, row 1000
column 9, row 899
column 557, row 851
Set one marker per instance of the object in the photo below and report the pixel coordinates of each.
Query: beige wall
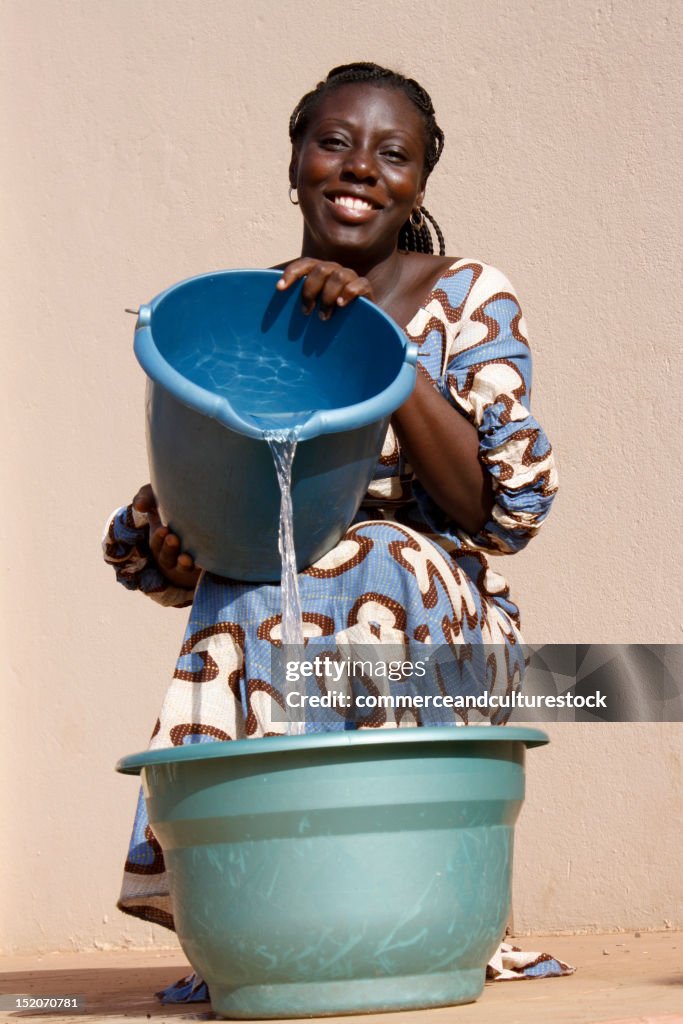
column 146, row 141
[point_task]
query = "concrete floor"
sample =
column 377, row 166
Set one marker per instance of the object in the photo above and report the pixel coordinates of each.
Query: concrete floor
column 620, row 979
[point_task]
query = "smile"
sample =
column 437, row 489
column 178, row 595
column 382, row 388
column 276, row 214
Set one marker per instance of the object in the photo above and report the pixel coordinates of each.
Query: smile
column 350, row 209
column 353, row 203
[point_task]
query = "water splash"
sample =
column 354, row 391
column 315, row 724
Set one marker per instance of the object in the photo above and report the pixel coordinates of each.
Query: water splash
column 283, row 447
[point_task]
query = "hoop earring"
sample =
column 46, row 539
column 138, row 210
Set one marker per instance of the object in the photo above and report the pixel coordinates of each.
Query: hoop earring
column 418, row 224
column 294, row 202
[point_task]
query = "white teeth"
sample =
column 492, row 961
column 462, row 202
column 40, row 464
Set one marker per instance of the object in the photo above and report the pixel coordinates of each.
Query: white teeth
column 352, row 202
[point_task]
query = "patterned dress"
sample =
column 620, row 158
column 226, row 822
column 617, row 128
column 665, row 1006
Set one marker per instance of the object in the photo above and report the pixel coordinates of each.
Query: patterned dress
column 403, row 572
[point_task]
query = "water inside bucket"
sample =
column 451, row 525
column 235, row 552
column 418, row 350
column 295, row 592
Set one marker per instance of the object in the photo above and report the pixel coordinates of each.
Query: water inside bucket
column 263, row 385
column 283, row 447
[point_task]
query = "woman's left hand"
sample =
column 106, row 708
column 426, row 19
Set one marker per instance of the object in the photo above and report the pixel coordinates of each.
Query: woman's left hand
column 327, row 283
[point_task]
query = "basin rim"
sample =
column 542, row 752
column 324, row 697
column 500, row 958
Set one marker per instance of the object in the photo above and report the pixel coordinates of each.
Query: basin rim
column 267, row 745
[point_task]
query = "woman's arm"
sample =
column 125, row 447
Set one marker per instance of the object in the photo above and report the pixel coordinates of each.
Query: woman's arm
column 442, row 447
column 470, row 438
column 440, row 444
column 488, row 380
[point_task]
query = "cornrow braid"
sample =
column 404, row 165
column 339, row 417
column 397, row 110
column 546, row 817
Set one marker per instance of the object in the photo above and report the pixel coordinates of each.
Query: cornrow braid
column 414, row 239
column 410, row 238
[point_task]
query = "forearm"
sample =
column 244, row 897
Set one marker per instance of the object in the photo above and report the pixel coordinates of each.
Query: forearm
column 443, row 450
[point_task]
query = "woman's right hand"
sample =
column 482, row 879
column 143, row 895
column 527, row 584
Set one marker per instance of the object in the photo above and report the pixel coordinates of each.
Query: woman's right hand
column 177, row 566
column 327, row 283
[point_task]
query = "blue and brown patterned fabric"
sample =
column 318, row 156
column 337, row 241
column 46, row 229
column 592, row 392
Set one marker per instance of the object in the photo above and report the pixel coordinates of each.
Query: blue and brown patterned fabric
column 403, row 572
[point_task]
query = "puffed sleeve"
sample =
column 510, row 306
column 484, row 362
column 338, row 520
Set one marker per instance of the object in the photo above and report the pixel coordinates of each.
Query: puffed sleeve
column 125, row 547
column 488, row 378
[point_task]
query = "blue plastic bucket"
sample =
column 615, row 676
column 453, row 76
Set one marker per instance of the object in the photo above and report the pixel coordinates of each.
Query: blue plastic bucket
column 229, row 359
column 340, row 873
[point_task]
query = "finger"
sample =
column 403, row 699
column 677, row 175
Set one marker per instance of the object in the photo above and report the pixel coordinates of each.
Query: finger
column 186, row 562
column 154, row 519
column 354, row 289
column 294, row 271
column 168, row 553
column 144, row 500
column 156, row 541
column 337, row 284
column 314, row 284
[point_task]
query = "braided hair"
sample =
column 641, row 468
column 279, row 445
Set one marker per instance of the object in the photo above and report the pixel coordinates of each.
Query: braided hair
column 414, row 236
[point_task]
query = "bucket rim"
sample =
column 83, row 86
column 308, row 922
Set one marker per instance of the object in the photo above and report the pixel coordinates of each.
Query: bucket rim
column 218, row 407
column 133, row 764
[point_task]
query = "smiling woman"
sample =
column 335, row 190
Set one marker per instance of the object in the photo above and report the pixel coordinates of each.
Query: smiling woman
column 466, row 471
column 359, row 172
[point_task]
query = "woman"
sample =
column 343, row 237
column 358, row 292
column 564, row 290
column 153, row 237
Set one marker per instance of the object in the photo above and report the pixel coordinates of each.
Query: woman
column 465, row 470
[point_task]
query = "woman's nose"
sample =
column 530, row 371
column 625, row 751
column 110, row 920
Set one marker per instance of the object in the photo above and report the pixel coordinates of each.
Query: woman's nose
column 360, row 164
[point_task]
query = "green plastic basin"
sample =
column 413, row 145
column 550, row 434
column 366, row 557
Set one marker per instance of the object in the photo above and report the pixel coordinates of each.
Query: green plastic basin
column 339, row 873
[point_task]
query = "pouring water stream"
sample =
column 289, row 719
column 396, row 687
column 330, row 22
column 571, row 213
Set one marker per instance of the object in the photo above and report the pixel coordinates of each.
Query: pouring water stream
column 282, row 444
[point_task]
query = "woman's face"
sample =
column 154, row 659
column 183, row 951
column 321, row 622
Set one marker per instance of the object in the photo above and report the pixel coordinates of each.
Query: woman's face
column 359, row 171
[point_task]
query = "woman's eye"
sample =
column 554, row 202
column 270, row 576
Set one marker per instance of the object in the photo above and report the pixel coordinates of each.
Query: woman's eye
column 332, row 142
column 396, row 155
